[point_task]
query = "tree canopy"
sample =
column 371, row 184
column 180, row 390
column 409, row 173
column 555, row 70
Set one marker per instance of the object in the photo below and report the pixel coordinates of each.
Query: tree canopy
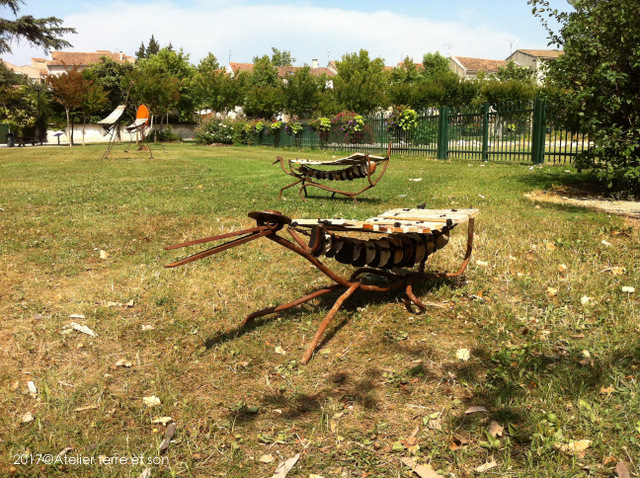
column 596, row 84
column 42, row 32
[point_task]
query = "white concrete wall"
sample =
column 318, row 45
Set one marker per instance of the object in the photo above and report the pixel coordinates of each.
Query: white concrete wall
column 94, row 133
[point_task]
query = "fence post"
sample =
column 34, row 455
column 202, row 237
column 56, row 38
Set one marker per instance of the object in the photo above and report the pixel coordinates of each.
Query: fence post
column 485, row 132
column 539, row 131
column 443, row 133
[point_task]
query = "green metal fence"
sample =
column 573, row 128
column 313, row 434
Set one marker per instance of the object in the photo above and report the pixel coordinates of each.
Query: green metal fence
column 517, row 132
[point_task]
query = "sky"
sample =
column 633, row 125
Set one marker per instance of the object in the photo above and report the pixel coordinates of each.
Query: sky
column 238, row 31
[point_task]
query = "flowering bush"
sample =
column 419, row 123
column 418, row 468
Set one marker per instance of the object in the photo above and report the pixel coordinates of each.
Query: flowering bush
column 321, row 125
column 349, row 122
column 294, row 128
column 274, row 127
column 213, row 131
column 258, row 126
column 402, row 118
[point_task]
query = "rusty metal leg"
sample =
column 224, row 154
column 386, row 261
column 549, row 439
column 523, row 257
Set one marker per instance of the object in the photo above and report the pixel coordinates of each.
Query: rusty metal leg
column 287, row 187
column 412, row 297
column 289, row 305
column 325, row 323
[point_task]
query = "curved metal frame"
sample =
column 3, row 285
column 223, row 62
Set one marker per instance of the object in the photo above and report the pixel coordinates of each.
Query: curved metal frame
column 304, row 180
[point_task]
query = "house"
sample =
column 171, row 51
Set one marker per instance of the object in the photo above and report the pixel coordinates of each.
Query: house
column 534, row 59
column 468, row 68
column 283, row 71
column 62, row 61
column 35, row 72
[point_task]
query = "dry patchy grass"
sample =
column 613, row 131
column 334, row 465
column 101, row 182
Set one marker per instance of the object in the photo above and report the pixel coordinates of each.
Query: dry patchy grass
column 552, row 338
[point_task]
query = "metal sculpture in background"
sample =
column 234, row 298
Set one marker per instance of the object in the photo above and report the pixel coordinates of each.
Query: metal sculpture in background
column 139, row 128
column 357, row 166
column 412, row 235
column 111, row 124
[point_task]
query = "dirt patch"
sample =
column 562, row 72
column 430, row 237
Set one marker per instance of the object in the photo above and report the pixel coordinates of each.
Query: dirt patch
column 587, row 199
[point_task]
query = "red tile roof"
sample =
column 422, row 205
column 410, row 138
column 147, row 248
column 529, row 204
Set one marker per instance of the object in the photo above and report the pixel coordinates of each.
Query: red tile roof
column 70, row 58
column 480, row 64
column 543, row 53
column 283, row 71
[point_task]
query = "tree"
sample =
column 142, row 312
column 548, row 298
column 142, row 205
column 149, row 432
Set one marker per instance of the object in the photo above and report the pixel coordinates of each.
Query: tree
column 176, row 65
column 213, row 88
column 262, row 98
column 596, row 81
column 144, row 53
column 434, row 65
column 301, row 92
column 154, row 88
column 41, row 32
column 281, row 58
column 360, row 84
column 67, row 89
column 112, row 76
column 403, row 80
column 94, row 98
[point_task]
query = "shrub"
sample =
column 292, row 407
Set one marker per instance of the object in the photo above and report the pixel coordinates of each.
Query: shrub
column 166, row 135
column 213, row 130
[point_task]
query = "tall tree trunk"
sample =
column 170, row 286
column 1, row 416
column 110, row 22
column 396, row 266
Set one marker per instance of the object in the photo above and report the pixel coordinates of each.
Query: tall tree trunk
column 69, row 127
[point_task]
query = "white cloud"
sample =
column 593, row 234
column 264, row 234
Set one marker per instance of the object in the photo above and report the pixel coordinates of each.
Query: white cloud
column 247, row 31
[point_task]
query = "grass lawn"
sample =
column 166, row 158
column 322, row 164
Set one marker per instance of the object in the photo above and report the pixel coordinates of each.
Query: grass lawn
column 553, row 339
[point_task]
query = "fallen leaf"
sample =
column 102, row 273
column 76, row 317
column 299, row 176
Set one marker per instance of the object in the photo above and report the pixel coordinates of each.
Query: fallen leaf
column 146, row 473
column 163, row 420
column 552, row 291
column 285, row 466
column 266, row 458
column 609, row 460
column 123, row 363
column 103, row 254
column 151, row 401
column 434, row 424
column 486, row 466
column 616, row 271
column 83, row 329
column 33, row 391
column 168, row 435
column 280, row 351
column 562, row 268
column 607, row 391
column 463, row 354
column 605, row 243
column 27, row 417
column 65, row 451
column 423, row 471
column 577, row 448
column 475, row 409
column 585, row 300
column 622, row 471
column 482, row 263
column 495, row 429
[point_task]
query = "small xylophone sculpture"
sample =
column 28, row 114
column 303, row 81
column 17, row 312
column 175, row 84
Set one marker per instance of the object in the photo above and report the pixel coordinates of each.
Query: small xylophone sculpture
column 354, row 167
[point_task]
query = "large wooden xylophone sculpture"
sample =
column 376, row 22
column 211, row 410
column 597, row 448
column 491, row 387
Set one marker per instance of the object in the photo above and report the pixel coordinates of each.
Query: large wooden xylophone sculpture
column 412, row 235
column 354, row 167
